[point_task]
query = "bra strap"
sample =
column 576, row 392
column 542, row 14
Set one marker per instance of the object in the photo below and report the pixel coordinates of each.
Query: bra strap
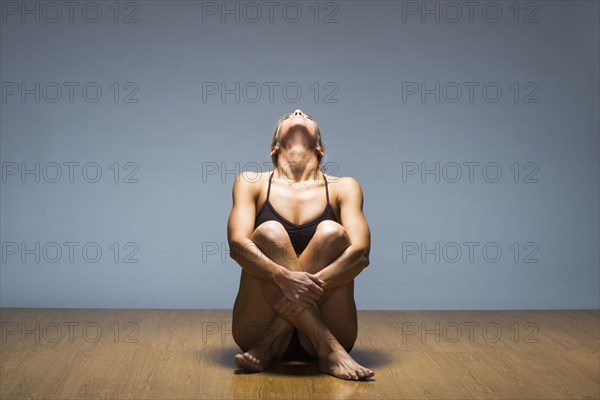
column 326, row 189
column 269, row 188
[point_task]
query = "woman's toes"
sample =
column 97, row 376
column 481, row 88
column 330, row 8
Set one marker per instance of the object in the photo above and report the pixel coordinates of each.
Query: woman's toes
column 238, row 359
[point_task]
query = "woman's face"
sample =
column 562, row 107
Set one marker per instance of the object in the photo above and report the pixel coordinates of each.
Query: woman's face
column 298, row 120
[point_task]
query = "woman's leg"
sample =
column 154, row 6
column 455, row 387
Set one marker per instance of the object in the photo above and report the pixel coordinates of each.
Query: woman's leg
column 257, row 328
column 328, row 243
column 336, row 306
column 335, row 317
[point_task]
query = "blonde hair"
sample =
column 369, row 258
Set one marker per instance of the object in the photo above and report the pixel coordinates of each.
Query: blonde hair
column 275, row 138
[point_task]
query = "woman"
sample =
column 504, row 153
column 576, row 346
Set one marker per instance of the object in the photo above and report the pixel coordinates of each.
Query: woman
column 298, row 259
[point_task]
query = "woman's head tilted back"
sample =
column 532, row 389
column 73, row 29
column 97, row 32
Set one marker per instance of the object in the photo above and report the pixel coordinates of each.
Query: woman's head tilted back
column 283, row 121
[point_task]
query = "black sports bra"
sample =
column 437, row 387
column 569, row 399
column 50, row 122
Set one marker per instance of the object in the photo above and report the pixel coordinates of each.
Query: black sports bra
column 300, row 235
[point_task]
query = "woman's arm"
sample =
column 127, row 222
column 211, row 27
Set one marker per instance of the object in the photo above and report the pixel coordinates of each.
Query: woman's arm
column 240, row 227
column 356, row 256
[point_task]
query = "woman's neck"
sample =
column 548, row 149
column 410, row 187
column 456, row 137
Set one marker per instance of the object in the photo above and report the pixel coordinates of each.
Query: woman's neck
column 298, row 166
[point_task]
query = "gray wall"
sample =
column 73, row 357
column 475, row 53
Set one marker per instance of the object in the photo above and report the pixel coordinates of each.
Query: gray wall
column 360, row 69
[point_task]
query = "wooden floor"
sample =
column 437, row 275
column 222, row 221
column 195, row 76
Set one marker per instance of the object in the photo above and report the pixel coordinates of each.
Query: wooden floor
column 188, row 354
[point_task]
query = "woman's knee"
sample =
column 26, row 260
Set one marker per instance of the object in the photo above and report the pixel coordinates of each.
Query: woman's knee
column 269, row 232
column 330, row 233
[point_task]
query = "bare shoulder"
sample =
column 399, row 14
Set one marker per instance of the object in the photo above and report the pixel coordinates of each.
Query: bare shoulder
column 249, row 183
column 343, row 183
column 345, row 188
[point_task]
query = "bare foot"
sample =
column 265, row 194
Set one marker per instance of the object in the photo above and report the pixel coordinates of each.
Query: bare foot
column 259, row 357
column 339, row 364
column 255, row 359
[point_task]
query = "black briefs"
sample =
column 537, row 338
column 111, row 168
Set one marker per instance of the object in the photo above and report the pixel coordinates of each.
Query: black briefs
column 295, row 351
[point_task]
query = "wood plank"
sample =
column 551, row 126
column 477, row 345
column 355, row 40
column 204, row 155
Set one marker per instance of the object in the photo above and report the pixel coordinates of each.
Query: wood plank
column 188, row 354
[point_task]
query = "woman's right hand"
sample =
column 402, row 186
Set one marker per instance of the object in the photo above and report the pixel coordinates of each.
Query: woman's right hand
column 283, row 305
column 302, row 288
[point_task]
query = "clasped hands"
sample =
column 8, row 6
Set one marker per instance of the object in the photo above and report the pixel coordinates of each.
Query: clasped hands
column 299, row 291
